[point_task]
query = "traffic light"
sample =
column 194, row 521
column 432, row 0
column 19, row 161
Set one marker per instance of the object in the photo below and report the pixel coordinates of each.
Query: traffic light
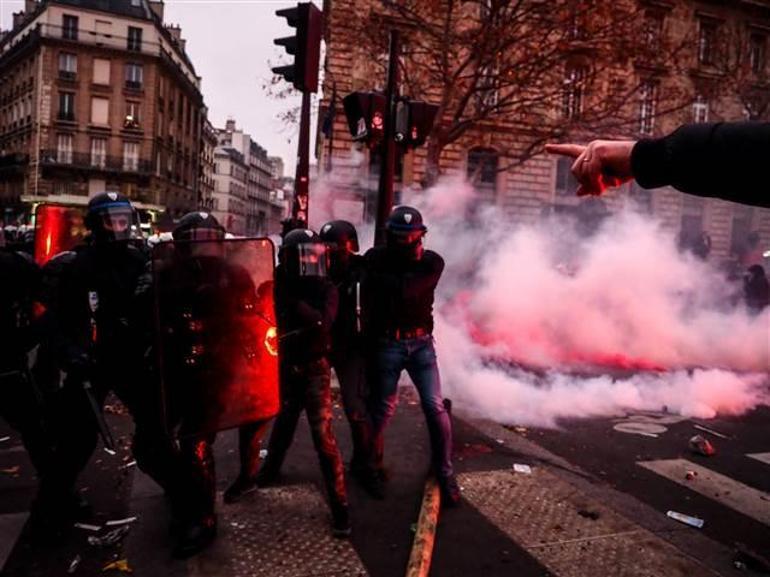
column 305, row 46
column 365, row 112
column 414, row 121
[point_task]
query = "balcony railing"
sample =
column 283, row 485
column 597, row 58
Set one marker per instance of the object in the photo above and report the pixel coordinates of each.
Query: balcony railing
column 97, row 162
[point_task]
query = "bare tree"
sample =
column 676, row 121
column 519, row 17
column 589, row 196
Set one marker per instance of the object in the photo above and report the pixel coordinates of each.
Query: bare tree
column 544, row 69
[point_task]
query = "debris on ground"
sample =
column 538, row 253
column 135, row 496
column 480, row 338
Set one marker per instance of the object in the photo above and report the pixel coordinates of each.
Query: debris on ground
column 117, row 522
column 4, row 439
column 690, row 475
column 711, row 431
column 593, row 515
column 686, row 519
column 73, row 566
column 119, row 565
column 11, row 470
column 108, row 539
column 129, row 465
column 499, row 441
column 521, row 468
column 750, row 559
column 262, row 453
column 700, row 445
column 88, row 527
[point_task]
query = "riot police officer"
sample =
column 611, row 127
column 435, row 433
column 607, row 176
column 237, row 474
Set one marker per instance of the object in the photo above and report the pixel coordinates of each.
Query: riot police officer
column 401, row 279
column 306, row 306
column 20, row 398
column 348, row 348
column 94, row 344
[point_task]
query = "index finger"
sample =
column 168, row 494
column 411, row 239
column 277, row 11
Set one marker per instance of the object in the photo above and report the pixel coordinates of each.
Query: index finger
column 573, row 150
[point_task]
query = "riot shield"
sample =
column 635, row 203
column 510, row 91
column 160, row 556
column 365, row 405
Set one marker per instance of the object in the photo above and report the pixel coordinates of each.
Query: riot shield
column 57, row 228
column 216, row 336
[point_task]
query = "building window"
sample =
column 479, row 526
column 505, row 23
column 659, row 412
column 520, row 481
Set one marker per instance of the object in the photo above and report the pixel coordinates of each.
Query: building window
column 700, row 109
column 741, row 227
column 647, row 105
column 68, row 65
column 69, row 27
column 101, row 71
column 487, row 95
column 653, row 29
column 707, row 42
column 566, row 183
column 482, row 171
column 574, row 86
column 64, row 148
column 67, row 106
column 100, row 110
column 130, row 156
column 757, row 44
column 132, row 118
column 134, row 39
column 134, row 75
column 99, row 152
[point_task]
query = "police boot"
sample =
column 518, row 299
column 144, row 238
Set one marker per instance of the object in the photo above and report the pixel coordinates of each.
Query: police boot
column 341, row 528
column 360, row 433
column 241, row 487
column 195, row 536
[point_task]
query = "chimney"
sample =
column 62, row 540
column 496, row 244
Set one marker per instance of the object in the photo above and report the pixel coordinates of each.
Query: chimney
column 230, row 125
column 18, row 18
column 175, row 30
column 30, row 6
column 157, row 7
column 182, row 44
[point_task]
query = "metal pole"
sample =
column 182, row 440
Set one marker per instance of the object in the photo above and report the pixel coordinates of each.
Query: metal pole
column 300, row 206
column 385, row 196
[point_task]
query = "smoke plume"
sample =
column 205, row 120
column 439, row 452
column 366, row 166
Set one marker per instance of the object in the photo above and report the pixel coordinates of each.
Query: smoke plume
column 541, row 322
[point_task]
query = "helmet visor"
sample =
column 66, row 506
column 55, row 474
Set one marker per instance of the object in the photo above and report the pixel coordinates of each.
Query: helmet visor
column 203, row 234
column 406, row 237
column 116, row 223
column 312, row 259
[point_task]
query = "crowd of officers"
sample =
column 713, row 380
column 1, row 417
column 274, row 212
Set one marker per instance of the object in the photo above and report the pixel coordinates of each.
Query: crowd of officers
column 83, row 325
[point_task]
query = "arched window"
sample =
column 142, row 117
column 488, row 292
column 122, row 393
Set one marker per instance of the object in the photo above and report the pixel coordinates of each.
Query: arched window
column 482, row 171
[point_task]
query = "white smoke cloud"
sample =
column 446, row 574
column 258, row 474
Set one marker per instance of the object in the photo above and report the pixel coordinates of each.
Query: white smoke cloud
column 545, row 297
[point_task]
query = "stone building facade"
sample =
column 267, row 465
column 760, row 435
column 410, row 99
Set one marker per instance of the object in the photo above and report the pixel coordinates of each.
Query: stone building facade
column 543, row 185
column 98, row 95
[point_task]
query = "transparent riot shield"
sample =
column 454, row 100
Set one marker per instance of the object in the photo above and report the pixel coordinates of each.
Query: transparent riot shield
column 57, row 228
column 216, row 345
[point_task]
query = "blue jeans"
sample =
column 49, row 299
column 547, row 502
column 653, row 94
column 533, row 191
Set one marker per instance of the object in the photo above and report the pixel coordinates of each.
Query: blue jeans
column 418, row 357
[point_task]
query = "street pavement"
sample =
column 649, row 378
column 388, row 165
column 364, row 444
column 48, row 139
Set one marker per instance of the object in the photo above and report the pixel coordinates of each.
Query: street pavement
column 593, row 501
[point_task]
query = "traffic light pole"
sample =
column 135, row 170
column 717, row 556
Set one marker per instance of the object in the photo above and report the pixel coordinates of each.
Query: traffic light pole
column 300, row 207
column 385, row 193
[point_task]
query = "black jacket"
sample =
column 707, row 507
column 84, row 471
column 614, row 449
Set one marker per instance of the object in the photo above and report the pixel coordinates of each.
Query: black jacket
column 724, row 160
column 98, row 285
column 349, row 325
column 306, row 309
column 20, row 282
column 400, row 293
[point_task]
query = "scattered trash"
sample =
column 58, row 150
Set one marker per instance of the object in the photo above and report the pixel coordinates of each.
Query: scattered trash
column 500, row 441
column 11, row 470
column 520, row 429
column 739, row 565
column 521, row 468
column 117, row 522
column 750, row 559
column 699, row 444
column 129, row 465
column 119, row 565
column 593, row 515
column 113, row 537
column 74, row 564
column 262, row 453
column 690, row 475
column 711, row 431
column 4, row 439
column 87, row 527
column 686, row 519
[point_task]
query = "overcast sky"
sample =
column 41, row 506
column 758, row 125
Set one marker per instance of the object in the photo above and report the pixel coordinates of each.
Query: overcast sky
column 230, row 43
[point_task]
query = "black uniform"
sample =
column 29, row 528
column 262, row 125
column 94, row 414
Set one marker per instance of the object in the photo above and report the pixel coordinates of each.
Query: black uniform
column 20, row 399
column 95, row 345
column 725, row 160
column 306, row 308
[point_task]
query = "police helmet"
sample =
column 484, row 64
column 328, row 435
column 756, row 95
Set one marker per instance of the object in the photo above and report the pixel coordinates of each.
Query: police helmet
column 340, row 234
column 304, row 253
column 405, row 219
column 109, row 217
column 198, row 226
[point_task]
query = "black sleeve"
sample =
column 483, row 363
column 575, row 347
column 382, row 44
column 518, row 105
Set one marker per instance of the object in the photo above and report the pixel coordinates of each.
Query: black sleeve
column 425, row 277
column 724, row 160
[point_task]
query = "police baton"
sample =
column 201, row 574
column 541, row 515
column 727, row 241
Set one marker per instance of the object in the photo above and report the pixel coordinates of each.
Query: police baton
column 104, row 430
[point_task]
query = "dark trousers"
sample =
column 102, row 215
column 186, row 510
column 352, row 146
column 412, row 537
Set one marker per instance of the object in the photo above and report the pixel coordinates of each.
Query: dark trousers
column 307, row 387
column 22, row 408
column 249, row 444
column 418, row 357
column 350, row 368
